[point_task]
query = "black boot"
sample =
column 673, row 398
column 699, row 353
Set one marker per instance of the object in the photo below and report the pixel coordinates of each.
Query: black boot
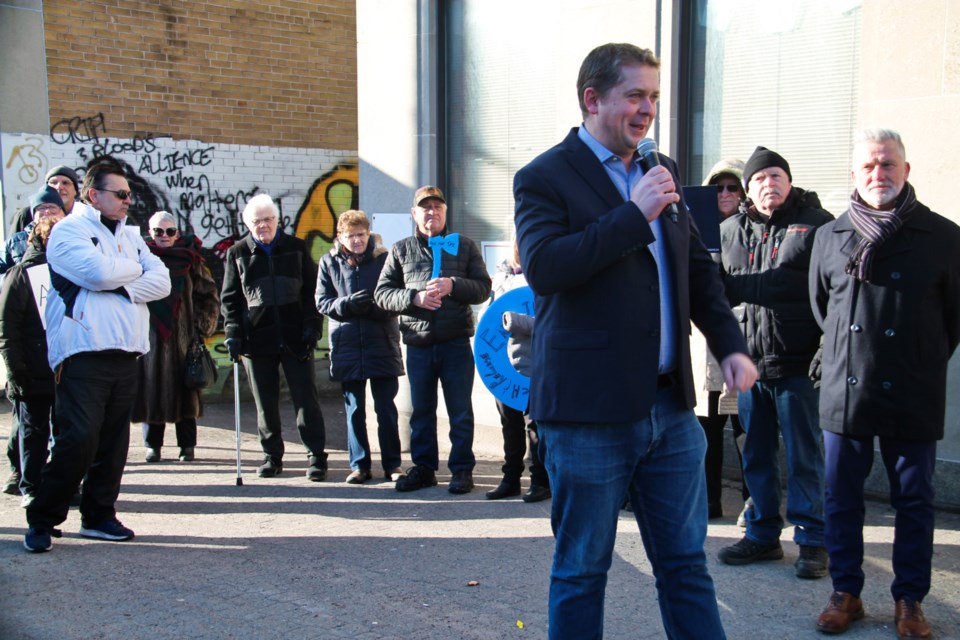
column 507, row 488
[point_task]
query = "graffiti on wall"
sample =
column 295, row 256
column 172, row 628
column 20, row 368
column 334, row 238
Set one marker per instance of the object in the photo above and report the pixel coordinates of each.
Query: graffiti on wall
column 206, row 186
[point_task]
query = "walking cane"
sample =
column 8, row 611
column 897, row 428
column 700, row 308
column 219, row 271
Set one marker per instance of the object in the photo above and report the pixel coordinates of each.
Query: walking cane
column 236, row 414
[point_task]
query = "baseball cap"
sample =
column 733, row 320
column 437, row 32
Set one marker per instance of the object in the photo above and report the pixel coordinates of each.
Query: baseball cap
column 428, row 192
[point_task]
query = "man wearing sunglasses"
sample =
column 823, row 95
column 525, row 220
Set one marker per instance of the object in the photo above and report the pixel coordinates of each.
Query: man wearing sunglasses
column 102, row 275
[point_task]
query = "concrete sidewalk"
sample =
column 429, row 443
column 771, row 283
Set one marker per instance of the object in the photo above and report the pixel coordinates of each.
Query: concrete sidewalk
column 286, row 558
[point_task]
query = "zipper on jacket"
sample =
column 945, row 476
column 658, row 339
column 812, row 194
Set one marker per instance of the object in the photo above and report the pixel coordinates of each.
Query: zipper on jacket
column 276, row 309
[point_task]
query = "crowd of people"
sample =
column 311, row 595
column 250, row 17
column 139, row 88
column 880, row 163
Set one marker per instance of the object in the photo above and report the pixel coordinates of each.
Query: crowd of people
column 825, row 333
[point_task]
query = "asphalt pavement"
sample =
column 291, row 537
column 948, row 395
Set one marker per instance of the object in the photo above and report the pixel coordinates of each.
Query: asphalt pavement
column 287, row 558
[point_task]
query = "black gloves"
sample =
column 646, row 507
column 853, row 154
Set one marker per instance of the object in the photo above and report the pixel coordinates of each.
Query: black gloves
column 233, row 347
column 309, row 340
column 360, row 302
column 816, row 366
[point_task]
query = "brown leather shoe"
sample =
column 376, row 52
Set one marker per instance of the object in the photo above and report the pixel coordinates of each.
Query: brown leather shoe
column 842, row 609
column 910, row 620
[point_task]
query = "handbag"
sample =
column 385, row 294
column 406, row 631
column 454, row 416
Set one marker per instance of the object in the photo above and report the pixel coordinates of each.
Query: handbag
column 200, row 369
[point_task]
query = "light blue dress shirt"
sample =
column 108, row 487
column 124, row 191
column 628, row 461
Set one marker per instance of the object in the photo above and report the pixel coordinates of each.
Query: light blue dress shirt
column 624, row 181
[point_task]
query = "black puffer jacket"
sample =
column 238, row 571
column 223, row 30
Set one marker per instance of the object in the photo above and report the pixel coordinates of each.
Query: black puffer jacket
column 364, row 344
column 267, row 299
column 407, row 271
column 764, row 265
column 23, row 340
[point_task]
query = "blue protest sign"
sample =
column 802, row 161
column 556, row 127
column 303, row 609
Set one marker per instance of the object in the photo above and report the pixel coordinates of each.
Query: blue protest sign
column 490, row 349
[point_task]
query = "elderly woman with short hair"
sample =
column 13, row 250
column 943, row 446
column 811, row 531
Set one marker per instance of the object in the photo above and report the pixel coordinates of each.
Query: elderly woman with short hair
column 189, row 311
column 364, row 343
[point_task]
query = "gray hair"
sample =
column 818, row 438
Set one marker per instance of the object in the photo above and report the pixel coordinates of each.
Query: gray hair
column 879, row 136
column 161, row 216
column 256, row 203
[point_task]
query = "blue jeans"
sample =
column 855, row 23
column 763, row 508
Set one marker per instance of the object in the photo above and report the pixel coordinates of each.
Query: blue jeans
column 789, row 406
column 384, row 390
column 909, row 466
column 450, row 363
column 659, row 463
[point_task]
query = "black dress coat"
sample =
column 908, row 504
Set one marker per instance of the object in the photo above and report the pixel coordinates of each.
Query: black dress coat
column 886, row 343
column 364, row 344
column 585, row 254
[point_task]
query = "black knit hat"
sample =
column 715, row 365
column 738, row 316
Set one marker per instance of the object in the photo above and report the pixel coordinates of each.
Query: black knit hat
column 46, row 195
column 64, row 170
column 761, row 159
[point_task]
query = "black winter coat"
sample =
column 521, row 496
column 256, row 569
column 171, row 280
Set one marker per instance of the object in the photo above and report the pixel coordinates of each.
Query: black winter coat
column 407, row 271
column 764, row 264
column 364, row 344
column 267, row 299
column 23, row 340
column 886, row 343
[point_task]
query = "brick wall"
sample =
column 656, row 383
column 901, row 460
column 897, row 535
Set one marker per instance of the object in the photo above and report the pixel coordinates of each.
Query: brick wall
column 274, row 73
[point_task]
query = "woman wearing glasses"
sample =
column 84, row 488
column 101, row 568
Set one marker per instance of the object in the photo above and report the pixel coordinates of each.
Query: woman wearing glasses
column 364, row 343
column 708, row 379
column 190, row 311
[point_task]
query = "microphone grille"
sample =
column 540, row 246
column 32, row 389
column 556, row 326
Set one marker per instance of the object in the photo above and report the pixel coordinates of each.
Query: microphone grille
column 646, row 145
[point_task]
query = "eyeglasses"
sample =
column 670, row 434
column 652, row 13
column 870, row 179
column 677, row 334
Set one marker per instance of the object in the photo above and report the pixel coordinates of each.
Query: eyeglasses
column 157, row 231
column 729, row 188
column 259, row 221
column 121, row 194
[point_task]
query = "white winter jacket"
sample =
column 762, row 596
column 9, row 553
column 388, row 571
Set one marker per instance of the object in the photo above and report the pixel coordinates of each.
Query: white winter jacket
column 107, row 279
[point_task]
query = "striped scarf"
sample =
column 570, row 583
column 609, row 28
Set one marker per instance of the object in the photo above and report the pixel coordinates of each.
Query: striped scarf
column 875, row 227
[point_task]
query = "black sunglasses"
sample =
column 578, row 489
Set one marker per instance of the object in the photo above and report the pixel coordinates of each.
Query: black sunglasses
column 729, row 188
column 157, row 231
column 120, row 193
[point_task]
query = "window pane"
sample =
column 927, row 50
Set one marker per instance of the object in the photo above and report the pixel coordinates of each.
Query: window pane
column 778, row 74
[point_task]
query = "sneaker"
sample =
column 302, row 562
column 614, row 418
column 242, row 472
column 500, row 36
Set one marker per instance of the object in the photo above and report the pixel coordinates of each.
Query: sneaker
column 111, row 529
column 747, row 551
column 461, row 482
column 359, row 476
column 507, row 488
column 270, row 468
column 537, row 493
column 812, row 562
column 418, row 477
column 12, row 485
column 26, row 500
column 38, row 539
column 393, row 474
column 153, row 455
column 747, row 509
column 186, row 454
column 317, row 471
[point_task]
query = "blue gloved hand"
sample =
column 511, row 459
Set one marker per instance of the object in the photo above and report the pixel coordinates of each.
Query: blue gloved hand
column 233, row 347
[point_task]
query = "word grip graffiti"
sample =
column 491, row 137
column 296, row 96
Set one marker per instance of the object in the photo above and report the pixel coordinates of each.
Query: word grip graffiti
column 507, row 385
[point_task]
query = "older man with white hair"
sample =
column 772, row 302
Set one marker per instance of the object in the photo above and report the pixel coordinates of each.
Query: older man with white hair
column 270, row 318
column 885, row 287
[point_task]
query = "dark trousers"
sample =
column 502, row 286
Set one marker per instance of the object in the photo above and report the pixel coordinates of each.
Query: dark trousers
column 263, row 372
column 713, row 426
column 186, row 434
column 517, row 429
column 35, row 415
column 94, row 399
column 13, row 442
column 909, row 466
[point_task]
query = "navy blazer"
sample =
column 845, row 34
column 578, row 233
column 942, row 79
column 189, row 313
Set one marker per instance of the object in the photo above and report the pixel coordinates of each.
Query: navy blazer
column 585, row 254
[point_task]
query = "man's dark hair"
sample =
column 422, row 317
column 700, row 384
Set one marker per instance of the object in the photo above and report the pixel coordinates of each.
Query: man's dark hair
column 96, row 175
column 602, row 67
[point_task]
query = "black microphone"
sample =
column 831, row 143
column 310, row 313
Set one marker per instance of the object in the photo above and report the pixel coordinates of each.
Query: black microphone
column 647, row 148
